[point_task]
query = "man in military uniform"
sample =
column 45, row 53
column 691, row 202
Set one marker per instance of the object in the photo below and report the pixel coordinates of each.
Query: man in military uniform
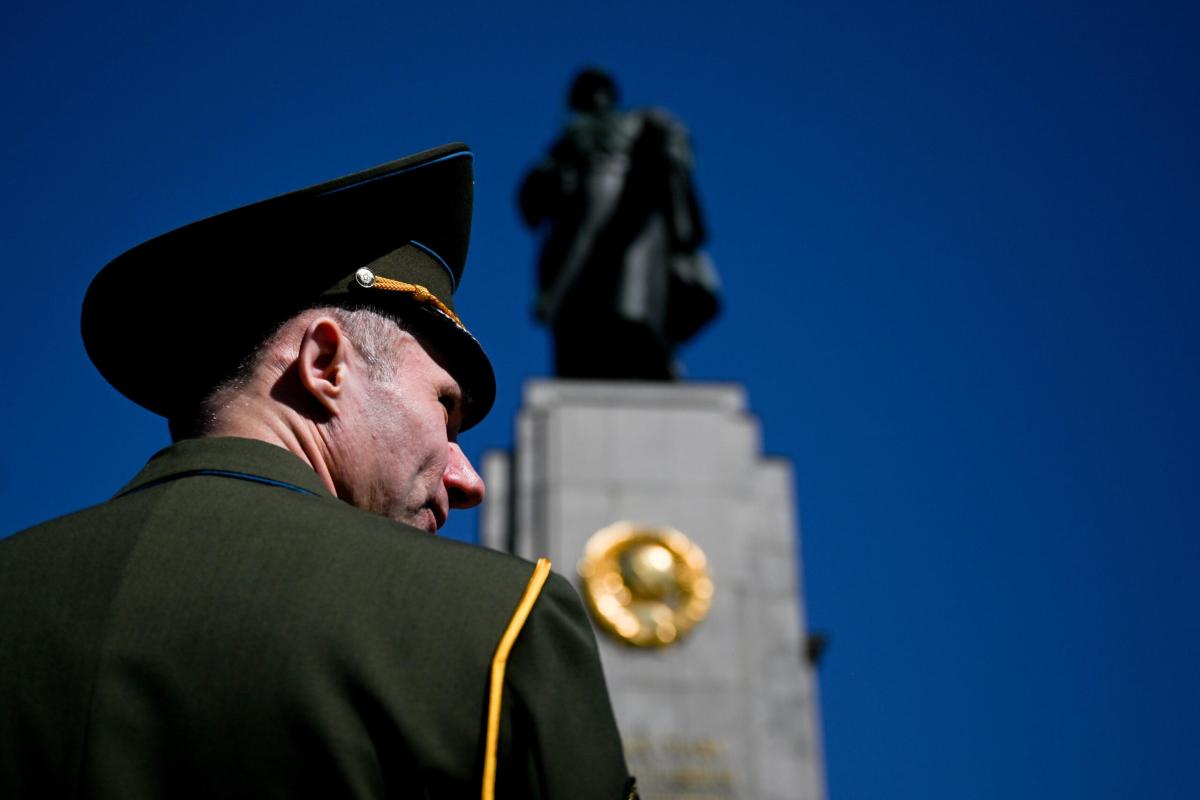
column 263, row 611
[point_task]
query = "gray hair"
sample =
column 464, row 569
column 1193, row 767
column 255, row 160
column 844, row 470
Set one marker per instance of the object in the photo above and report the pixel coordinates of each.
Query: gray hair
column 374, row 335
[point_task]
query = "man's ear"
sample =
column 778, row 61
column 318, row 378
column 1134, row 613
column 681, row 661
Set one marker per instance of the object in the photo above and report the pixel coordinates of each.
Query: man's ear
column 324, row 363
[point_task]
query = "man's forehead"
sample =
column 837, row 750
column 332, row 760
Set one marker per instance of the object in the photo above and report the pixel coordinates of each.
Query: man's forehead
column 423, row 358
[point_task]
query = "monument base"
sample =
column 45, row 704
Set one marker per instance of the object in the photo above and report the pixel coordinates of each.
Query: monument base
column 728, row 708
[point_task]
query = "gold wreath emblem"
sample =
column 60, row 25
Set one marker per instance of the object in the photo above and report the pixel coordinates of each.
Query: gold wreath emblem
column 646, row 585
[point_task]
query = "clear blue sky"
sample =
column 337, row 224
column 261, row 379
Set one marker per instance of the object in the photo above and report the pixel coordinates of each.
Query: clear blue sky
column 960, row 247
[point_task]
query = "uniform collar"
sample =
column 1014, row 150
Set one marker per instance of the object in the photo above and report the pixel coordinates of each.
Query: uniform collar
column 228, row 453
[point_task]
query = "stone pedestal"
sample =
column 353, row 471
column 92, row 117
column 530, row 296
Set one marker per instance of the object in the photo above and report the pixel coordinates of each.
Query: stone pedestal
column 730, row 710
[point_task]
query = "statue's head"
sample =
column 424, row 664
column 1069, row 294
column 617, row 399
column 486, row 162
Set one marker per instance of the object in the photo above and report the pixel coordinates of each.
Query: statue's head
column 593, row 90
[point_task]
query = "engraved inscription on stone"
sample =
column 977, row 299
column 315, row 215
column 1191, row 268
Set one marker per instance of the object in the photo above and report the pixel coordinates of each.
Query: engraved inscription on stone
column 678, row 768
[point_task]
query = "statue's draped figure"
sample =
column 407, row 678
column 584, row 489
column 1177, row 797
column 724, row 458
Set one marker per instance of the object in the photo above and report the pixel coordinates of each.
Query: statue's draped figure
column 621, row 276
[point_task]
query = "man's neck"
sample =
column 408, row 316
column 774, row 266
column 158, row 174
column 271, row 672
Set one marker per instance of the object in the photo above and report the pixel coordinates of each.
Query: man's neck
column 273, row 423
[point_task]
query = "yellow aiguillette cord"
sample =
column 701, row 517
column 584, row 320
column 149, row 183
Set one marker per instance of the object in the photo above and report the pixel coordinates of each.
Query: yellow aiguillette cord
column 540, row 573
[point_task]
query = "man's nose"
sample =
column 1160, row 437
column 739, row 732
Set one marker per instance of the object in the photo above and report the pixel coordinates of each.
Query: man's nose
column 463, row 484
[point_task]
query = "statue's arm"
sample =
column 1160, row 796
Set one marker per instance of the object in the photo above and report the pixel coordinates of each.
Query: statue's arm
column 542, row 191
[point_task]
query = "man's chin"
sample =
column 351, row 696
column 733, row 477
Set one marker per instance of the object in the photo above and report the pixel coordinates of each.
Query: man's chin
column 425, row 519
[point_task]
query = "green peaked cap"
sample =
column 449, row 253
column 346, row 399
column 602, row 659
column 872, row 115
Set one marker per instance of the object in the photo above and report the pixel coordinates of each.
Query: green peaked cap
column 167, row 321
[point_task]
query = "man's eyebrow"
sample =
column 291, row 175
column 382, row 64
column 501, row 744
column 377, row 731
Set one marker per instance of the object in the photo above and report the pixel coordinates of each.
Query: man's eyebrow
column 452, row 396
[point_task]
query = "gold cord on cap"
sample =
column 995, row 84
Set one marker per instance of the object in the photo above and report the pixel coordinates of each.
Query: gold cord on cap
column 369, row 280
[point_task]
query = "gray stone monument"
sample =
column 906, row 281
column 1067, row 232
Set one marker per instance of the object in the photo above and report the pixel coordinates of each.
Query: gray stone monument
column 657, row 501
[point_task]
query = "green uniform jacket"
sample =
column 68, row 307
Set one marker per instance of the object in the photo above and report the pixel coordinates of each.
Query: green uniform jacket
column 214, row 635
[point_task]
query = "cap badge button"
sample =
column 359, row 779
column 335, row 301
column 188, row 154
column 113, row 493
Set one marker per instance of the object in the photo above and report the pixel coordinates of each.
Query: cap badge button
column 365, row 278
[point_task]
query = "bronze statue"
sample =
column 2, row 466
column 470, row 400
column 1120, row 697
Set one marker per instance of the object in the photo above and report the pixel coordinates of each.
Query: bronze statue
column 621, row 277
